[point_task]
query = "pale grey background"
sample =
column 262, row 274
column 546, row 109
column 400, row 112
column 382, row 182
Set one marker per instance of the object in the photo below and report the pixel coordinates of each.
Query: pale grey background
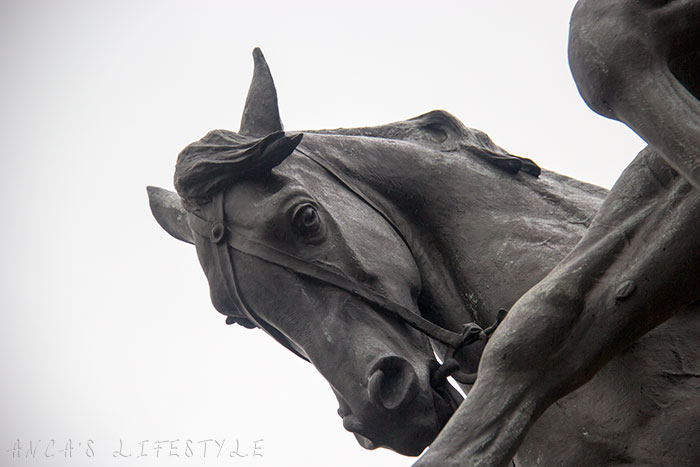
column 107, row 329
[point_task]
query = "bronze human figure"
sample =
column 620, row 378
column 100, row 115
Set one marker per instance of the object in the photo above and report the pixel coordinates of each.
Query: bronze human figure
column 367, row 250
column 637, row 266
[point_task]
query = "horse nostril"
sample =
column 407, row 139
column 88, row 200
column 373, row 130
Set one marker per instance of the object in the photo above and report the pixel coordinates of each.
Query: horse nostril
column 392, row 383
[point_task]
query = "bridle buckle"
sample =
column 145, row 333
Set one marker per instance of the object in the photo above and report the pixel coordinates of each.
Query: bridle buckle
column 218, row 232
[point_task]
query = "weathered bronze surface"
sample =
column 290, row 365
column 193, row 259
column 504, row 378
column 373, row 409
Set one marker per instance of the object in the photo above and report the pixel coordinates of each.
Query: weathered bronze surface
column 365, row 250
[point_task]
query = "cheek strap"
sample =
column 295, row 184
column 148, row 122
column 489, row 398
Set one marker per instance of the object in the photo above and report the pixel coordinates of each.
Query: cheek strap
column 217, row 233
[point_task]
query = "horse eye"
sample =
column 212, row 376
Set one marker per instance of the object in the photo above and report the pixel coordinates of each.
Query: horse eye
column 306, row 221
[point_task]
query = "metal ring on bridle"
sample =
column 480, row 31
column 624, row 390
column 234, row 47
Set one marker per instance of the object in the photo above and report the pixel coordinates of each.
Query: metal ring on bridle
column 218, row 230
column 472, row 332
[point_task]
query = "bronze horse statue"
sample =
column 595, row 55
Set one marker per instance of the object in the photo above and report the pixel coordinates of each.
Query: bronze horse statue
column 368, row 251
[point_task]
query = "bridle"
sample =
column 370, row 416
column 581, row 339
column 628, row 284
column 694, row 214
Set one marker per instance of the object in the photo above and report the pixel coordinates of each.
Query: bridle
column 223, row 236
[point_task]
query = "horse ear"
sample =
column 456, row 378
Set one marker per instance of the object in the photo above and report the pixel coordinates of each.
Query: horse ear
column 261, row 115
column 166, row 207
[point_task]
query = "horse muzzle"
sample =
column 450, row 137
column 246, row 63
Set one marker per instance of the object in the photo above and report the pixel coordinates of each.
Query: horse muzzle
column 401, row 410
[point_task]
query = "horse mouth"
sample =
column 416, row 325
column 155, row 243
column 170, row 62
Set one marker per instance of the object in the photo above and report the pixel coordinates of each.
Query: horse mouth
column 365, row 442
column 351, row 424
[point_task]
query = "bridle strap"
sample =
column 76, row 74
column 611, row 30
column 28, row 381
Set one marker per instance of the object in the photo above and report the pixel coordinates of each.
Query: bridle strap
column 347, row 183
column 217, row 234
column 329, row 274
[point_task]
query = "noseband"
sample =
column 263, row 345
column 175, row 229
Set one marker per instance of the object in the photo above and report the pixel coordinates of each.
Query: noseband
column 223, row 236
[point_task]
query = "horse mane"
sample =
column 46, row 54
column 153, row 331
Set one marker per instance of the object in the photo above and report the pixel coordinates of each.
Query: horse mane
column 222, row 157
column 443, row 130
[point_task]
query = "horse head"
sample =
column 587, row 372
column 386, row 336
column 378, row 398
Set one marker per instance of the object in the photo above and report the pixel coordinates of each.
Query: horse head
column 290, row 246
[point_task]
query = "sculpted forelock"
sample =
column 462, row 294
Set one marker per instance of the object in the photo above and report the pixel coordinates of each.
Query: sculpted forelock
column 223, row 157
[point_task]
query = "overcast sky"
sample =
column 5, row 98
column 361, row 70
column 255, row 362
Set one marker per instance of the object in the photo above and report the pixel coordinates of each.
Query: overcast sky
column 108, row 334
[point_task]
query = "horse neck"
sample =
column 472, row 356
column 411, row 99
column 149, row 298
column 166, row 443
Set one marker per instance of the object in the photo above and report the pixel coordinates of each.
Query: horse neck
column 480, row 237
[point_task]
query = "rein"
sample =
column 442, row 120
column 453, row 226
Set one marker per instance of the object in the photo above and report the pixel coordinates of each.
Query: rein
column 223, row 236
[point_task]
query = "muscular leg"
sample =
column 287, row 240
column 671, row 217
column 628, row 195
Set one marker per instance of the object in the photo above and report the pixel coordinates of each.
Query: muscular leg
column 636, row 266
column 622, row 54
